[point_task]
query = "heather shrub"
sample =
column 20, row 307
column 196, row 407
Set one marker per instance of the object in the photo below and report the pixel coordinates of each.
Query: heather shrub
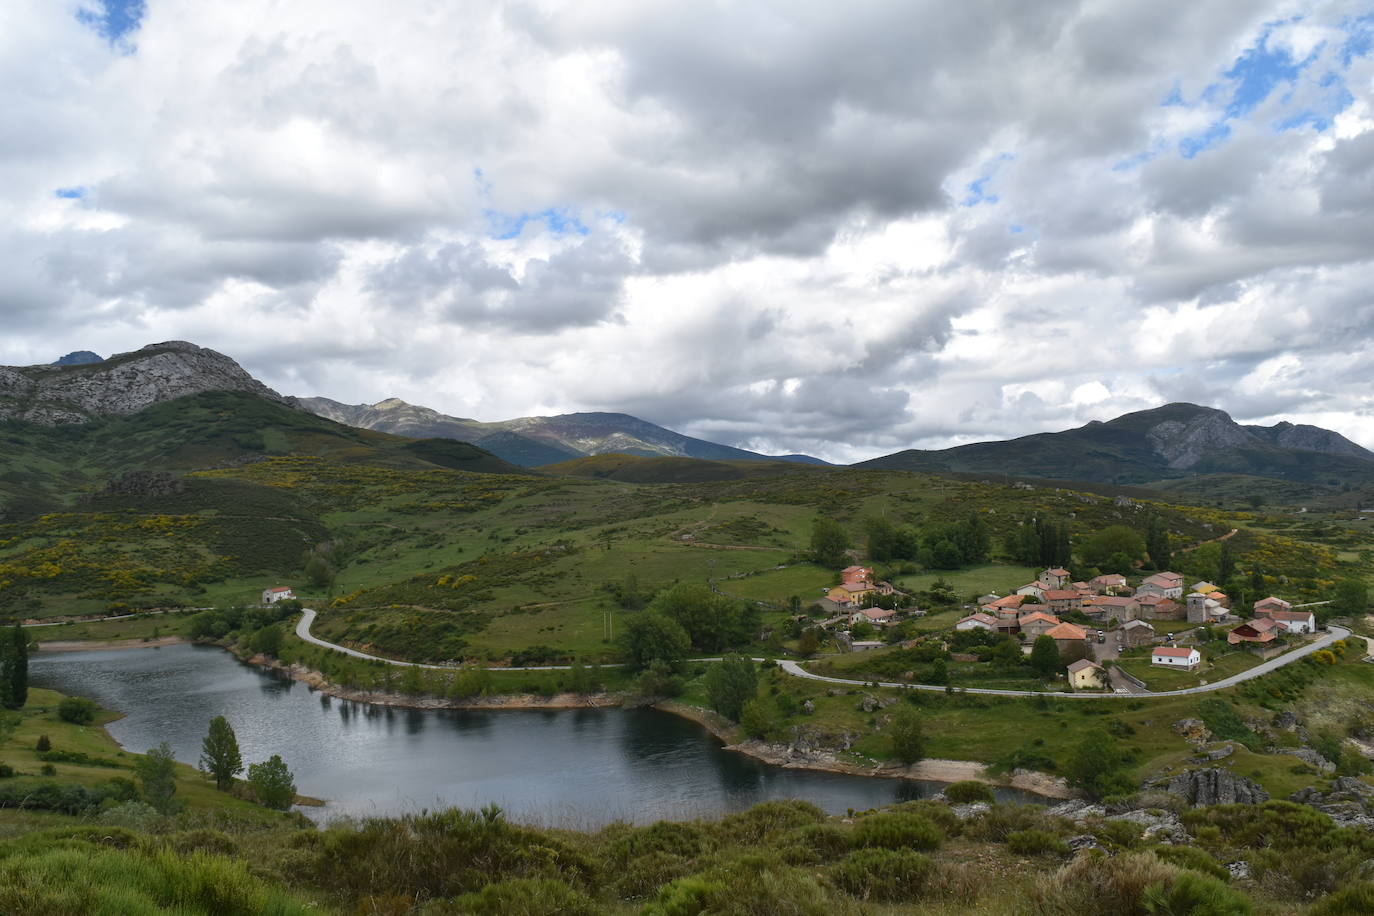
column 752, row 826
column 680, row 839
column 1191, row 857
column 750, row 886
column 1193, row 894
column 1353, row 899
column 935, row 812
column 643, row 876
column 998, row 821
column 968, row 791
column 897, row 831
column 522, row 897
column 1097, row 884
column 816, row 843
column 1036, row 843
column 883, row 874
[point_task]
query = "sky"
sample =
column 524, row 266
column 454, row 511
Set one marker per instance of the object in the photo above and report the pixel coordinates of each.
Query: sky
column 837, row 229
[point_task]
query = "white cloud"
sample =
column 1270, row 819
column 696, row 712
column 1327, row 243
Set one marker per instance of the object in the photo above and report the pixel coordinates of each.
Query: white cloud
column 742, row 221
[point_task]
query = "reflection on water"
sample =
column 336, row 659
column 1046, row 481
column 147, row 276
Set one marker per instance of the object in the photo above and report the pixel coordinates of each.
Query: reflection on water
column 579, row 768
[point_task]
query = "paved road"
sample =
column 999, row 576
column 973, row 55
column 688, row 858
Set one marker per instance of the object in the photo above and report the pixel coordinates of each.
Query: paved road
column 796, row 670
column 1273, row 664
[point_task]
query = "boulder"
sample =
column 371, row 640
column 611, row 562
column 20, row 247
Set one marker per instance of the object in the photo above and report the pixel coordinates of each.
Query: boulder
column 869, row 703
column 1215, row 786
column 808, row 707
column 1083, row 842
column 1308, row 756
column 1194, row 730
column 1285, row 719
column 964, row 812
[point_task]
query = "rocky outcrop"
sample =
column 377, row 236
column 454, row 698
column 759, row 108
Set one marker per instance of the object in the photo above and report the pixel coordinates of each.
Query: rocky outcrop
column 1193, row 731
column 123, row 384
column 1310, row 757
column 1184, row 444
column 1215, row 786
column 1349, row 802
column 79, row 358
column 1310, row 439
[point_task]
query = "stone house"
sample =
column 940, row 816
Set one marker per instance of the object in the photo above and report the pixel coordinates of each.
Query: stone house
column 1086, row 674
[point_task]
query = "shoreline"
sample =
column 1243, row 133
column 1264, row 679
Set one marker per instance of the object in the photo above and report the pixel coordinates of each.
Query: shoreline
column 932, row 769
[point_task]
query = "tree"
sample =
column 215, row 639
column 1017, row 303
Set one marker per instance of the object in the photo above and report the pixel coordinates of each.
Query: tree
column 907, row 736
column 810, row 642
column 1102, row 547
column 157, row 772
column 651, row 637
column 829, row 541
column 1098, row 766
column 939, row 671
column 77, row 710
column 1157, row 543
column 760, row 717
column 219, row 753
column 730, row 684
column 713, row 622
column 14, row 668
column 1352, row 597
column 272, row 783
column 1044, row 657
column 1006, row 653
column 1226, row 563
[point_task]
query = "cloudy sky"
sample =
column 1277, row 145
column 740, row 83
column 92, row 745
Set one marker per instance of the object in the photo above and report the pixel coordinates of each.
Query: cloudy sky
column 836, row 228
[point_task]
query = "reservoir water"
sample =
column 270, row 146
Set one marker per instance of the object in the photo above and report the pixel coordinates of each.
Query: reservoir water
column 573, row 768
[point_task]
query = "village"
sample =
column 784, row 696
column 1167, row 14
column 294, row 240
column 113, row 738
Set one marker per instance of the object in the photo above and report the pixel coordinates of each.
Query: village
column 1105, row 629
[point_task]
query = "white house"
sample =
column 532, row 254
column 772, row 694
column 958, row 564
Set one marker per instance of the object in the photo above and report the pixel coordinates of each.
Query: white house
column 273, row 595
column 1295, row 621
column 1176, row 657
column 874, row 615
column 977, row 622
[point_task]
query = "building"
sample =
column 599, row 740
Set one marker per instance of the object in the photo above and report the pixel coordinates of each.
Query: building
column 1037, row 624
column 1111, row 607
column 1156, row 607
column 857, row 575
column 1249, row 633
column 978, row 622
column 850, row 595
column 874, row 615
column 1109, row 582
column 1032, row 590
column 1295, row 621
column 1176, row 657
column 1135, row 633
column 1266, row 606
column 1066, row 635
column 273, row 595
column 863, row 645
column 1061, row 600
column 1086, row 674
column 1164, row 584
column 1054, row 578
column 1004, row 606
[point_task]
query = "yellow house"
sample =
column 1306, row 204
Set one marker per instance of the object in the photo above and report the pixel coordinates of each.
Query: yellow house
column 849, row 594
column 1087, row 675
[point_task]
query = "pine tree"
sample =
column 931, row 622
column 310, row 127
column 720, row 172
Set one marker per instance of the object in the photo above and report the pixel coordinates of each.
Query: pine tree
column 18, row 669
column 219, row 753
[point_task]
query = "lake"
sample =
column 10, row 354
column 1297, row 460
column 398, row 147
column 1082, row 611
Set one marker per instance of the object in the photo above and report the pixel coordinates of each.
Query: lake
column 574, row 768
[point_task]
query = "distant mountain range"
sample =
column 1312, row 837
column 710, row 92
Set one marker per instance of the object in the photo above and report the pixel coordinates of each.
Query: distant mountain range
column 1151, row 446
column 535, row 441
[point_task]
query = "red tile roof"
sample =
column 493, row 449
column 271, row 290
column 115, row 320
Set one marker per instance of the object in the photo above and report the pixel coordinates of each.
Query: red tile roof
column 1066, row 631
column 1174, row 651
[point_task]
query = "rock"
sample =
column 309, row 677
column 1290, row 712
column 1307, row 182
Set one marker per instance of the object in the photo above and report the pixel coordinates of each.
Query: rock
column 1215, row 786
column 1076, row 810
column 808, row 707
column 1350, row 803
column 964, row 812
column 868, row 703
column 1285, row 719
column 1217, row 753
column 1083, row 842
column 123, row 384
column 1240, row 871
column 832, row 692
column 1310, row 757
column 1194, row 730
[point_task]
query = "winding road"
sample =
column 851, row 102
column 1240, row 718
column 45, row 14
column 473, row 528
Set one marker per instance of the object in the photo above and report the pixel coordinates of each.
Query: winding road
column 796, row 670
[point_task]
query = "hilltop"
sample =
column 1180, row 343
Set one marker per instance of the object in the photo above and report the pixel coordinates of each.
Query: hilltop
column 1151, row 446
column 535, row 441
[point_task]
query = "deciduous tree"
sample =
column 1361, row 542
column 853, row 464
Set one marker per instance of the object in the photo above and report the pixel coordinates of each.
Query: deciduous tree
column 157, row 772
column 272, row 783
column 730, row 684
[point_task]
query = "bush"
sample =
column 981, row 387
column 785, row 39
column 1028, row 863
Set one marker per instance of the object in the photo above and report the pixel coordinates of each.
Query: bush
column 1035, row 843
column 43, row 744
column 77, row 710
column 1191, row 857
column 1356, row 898
column 668, row 837
column 750, row 886
column 1000, row 821
column 967, row 792
column 883, row 874
column 643, row 876
column 754, row 825
column 816, row 843
column 526, row 896
column 897, row 831
column 1193, row 893
column 1097, row 884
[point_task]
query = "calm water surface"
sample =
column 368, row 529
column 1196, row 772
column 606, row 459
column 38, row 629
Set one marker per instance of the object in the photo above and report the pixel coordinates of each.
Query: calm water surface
column 577, row 768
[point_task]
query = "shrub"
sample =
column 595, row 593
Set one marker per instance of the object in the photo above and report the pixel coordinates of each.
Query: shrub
column 824, row 841
column 1355, row 898
column 6, row 771
column 968, row 791
column 999, row 821
column 77, row 710
column 940, row 815
column 1097, row 884
column 526, row 896
column 43, row 744
column 640, row 877
column 897, row 831
column 1193, row 893
column 750, row 886
column 753, row 825
column 1119, row 834
column 203, row 840
column 679, row 839
column 1035, row 843
column 883, row 874
column 1191, row 857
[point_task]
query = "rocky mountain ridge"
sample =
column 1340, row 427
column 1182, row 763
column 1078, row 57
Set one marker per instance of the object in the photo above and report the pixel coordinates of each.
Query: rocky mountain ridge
column 124, row 384
column 534, row 441
column 1148, row 446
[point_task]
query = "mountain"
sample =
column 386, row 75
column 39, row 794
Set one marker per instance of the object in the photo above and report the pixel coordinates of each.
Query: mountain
column 79, row 358
column 1169, row 442
column 624, row 468
column 121, row 385
column 536, row 441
